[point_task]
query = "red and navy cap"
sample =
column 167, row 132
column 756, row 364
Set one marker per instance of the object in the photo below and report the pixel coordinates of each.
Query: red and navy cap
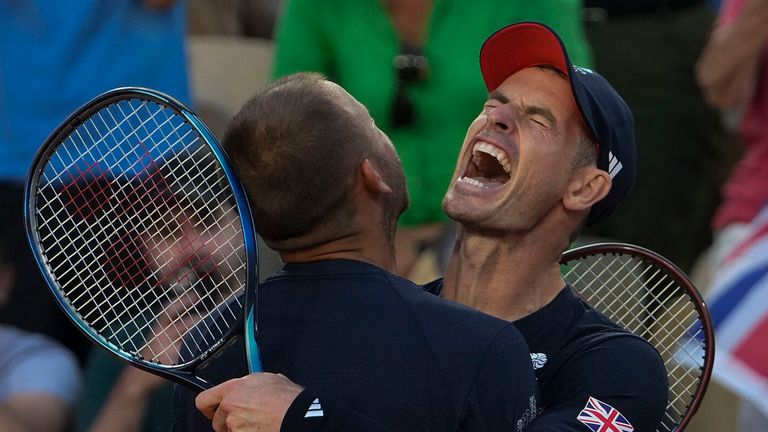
column 606, row 115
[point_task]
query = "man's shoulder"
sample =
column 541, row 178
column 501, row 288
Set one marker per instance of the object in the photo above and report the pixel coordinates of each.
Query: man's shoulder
column 434, row 311
column 595, row 356
column 22, row 346
column 607, row 344
column 614, row 369
column 457, row 332
column 614, row 347
column 32, row 362
column 603, row 359
column 481, row 358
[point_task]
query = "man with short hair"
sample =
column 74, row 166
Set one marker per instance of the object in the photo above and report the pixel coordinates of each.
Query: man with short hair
column 326, row 189
column 552, row 149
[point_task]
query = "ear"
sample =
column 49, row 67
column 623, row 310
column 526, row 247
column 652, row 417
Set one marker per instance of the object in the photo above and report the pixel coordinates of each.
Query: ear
column 372, row 179
column 588, row 185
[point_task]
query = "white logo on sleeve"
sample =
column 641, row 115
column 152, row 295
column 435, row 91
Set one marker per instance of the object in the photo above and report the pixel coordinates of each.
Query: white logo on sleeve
column 539, row 360
column 315, row 410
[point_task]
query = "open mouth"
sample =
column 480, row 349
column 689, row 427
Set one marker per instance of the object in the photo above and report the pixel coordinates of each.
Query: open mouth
column 488, row 168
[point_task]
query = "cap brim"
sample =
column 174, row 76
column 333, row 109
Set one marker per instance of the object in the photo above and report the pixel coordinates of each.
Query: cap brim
column 521, row 46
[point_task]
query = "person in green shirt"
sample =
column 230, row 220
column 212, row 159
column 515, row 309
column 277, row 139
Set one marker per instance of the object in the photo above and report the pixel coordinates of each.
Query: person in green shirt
column 413, row 64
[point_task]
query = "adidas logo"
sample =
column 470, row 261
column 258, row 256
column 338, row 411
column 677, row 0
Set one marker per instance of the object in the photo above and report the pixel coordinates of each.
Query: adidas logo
column 614, row 166
column 315, row 410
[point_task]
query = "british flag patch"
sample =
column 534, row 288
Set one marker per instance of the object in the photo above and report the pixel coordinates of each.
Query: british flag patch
column 601, row 417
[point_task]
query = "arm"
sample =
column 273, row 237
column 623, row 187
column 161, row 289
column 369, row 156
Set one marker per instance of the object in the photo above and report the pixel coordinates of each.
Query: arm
column 271, row 402
column 33, row 412
column 625, row 373
column 505, row 394
column 727, row 66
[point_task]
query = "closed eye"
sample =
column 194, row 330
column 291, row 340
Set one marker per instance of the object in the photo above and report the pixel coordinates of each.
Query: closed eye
column 540, row 115
column 538, row 121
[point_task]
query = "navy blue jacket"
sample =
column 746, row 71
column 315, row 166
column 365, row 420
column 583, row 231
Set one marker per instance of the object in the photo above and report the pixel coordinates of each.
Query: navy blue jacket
column 380, row 353
column 578, row 354
column 590, row 372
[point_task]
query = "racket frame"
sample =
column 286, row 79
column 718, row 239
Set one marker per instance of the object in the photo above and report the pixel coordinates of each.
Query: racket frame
column 183, row 373
column 648, row 255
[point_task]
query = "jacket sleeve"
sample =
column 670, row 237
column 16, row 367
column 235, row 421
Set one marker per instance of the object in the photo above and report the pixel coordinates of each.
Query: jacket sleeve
column 622, row 381
column 504, row 396
column 314, row 411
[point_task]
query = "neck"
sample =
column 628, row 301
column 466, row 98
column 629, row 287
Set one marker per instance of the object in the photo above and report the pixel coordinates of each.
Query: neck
column 368, row 245
column 508, row 276
column 343, row 249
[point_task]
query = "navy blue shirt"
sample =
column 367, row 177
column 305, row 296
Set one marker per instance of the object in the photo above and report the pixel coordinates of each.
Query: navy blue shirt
column 578, row 354
column 392, row 356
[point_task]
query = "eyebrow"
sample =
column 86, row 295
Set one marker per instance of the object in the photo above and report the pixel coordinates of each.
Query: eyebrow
column 498, row 96
column 528, row 109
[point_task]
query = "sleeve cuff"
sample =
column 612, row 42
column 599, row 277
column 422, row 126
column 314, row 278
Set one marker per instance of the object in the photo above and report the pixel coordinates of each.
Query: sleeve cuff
column 305, row 413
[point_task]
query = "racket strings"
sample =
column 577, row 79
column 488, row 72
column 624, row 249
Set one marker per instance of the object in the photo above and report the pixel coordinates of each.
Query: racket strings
column 187, row 279
column 119, row 225
column 159, row 270
column 66, row 162
column 649, row 301
column 128, row 173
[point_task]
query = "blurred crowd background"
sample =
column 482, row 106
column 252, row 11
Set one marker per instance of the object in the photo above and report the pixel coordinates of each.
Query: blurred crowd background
column 694, row 73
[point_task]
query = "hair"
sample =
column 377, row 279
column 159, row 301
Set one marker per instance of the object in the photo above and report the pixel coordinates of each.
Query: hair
column 296, row 149
column 586, row 151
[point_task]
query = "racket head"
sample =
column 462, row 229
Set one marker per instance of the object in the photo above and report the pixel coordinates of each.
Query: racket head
column 650, row 296
column 136, row 218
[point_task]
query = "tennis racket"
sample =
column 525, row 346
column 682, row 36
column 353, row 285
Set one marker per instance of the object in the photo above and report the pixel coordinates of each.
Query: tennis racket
column 649, row 296
column 144, row 234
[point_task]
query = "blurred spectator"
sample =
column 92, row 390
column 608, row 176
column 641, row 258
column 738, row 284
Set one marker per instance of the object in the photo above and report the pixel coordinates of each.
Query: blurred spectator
column 177, row 257
column 121, row 398
column 413, row 64
column 250, row 18
column 55, row 56
column 39, row 379
column 648, row 49
column 733, row 71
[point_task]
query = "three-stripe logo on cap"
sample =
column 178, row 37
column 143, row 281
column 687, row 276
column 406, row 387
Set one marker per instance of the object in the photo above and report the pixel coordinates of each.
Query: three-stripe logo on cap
column 614, row 165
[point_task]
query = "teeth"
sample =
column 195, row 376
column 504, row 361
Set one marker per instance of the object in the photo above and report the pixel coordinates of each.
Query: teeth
column 495, row 152
column 473, row 182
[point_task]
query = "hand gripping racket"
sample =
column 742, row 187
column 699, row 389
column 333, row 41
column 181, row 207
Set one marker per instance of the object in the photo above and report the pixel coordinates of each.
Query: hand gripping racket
column 649, row 296
column 144, row 234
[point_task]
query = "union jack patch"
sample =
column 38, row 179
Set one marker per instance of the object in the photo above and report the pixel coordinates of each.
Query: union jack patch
column 601, row 417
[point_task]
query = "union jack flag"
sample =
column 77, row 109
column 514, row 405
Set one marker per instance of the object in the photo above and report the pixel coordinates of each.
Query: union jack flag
column 738, row 304
column 601, row 417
